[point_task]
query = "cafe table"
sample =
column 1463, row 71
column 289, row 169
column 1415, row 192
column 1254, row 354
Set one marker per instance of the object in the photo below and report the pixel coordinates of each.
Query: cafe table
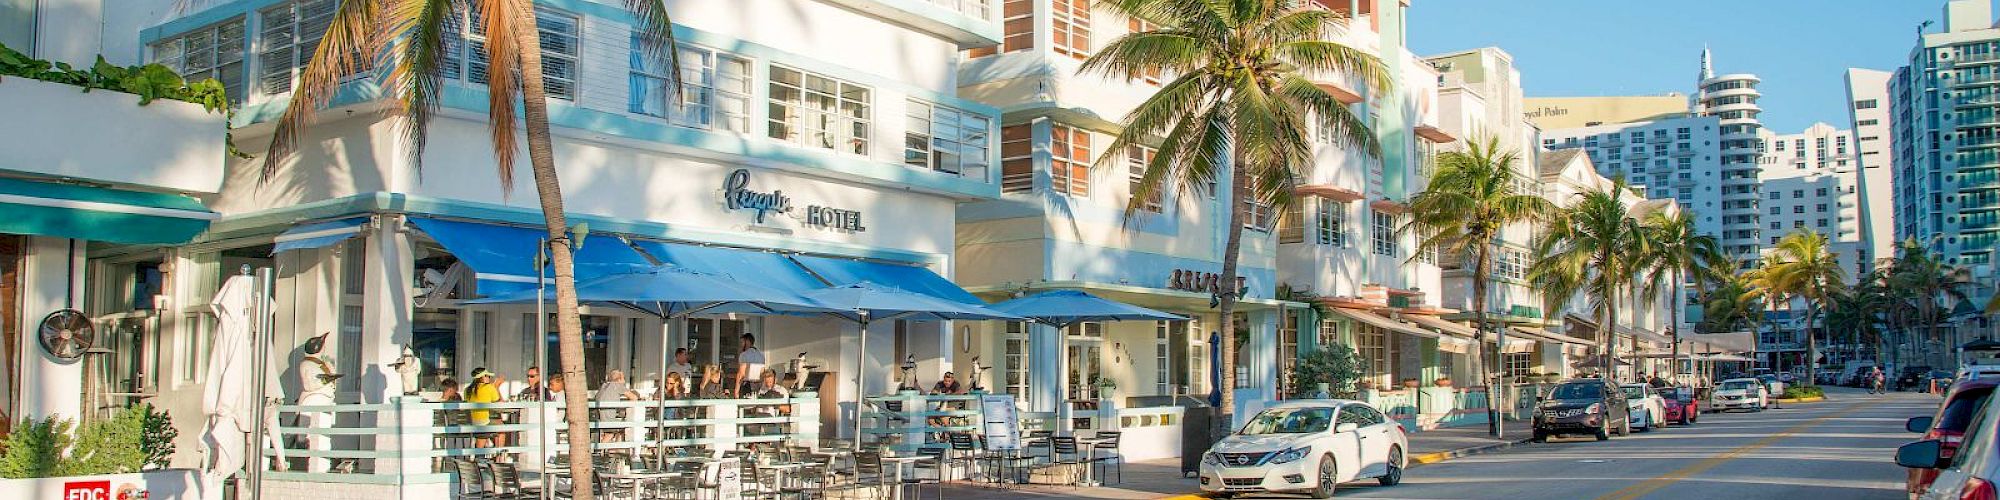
column 637, row 480
column 1088, row 448
column 899, row 462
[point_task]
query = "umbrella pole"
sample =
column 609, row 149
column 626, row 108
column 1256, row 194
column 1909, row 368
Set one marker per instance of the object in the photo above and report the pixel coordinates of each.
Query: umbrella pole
column 860, row 367
column 260, row 335
column 542, row 400
column 660, row 395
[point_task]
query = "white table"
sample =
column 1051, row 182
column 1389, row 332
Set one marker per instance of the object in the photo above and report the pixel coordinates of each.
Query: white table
column 1088, row 448
column 900, row 462
column 638, row 479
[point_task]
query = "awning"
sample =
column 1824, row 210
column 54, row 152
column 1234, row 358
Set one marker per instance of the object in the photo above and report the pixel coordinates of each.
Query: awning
column 99, row 214
column 1454, row 345
column 911, row 278
column 1385, row 323
column 318, row 235
column 1440, row 324
column 1552, row 336
column 502, row 258
column 1646, row 335
column 764, row 268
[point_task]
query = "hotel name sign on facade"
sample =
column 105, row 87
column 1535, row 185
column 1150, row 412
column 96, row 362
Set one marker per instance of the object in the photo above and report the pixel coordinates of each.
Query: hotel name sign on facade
column 737, row 195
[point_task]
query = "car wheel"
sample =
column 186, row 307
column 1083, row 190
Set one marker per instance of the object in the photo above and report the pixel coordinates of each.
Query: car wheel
column 1604, row 431
column 1541, row 436
column 1327, row 479
column 1395, row 474
column 1626, row 428
column 1219, row 495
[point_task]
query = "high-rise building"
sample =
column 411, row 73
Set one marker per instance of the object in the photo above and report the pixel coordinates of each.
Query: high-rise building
column 1868, row 114
column 1811, row 183
column 1945, row 112
column 1732, row 98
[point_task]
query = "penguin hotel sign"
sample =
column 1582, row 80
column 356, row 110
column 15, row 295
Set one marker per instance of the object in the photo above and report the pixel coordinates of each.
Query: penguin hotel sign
column 738, row 195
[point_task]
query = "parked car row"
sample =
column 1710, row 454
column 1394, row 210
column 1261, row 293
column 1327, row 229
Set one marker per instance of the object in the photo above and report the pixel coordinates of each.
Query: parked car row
column 1956, row 457
column 1597, row 408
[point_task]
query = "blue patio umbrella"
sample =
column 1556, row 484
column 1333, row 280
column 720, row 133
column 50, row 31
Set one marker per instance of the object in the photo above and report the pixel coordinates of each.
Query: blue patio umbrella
column 1063, row 308
column 670, row 292
column 867, row 301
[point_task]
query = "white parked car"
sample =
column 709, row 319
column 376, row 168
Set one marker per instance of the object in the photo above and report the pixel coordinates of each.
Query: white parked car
column 1649, row 410
column 1741, row 393
column 1306, row 446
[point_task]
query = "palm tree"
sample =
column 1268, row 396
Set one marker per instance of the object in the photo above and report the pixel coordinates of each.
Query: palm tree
column 1594, row 246
column 1928, row 280
column 1730, row 305
column 409, row 38
column 1678, row 251
column 1240, row 104
column 1802, row 268
column 1856, row 312
column 1470, row 200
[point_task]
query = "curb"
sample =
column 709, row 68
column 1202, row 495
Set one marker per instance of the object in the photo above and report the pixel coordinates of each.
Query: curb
column 1435, row 457
column 1809, row 399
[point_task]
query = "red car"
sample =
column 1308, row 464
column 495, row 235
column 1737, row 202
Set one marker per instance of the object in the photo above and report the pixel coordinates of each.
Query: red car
column 1682, row 407
column 1961, row 402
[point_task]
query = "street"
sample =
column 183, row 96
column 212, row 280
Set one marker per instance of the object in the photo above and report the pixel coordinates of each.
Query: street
column 1837, row 449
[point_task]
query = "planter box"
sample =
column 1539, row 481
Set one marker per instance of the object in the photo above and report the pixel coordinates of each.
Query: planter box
column 59, row 130
column 170, row 484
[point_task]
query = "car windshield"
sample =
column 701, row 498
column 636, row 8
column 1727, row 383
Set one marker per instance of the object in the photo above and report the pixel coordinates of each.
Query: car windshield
column 1959, row 411
column 1676, row 393
column 1289, row 421
column 1736, row 385
column 1633, row 392
column 1578, row 391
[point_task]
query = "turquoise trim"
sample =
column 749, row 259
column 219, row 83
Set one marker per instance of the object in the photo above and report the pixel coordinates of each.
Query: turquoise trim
column 274, row 220
column 983, row 32
column 211, row 15
column 99, row 214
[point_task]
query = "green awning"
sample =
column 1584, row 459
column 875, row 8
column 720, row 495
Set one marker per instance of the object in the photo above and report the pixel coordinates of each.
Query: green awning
column 99, row 214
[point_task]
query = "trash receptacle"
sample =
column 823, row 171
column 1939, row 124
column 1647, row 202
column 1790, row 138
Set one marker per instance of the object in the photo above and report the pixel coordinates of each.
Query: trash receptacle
column 1197, row 434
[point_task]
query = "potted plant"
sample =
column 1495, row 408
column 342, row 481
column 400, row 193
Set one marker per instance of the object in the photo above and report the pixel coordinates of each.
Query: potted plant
column 1411, row 383
column 1443, row 382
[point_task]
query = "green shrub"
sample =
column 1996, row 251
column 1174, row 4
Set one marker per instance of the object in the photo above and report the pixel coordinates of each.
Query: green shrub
column 1333, row 365
column 1808, row 391
column 134, row 439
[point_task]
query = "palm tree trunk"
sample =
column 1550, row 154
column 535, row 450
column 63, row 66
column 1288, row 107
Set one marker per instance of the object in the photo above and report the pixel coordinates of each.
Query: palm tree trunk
column 1674, row 325
column 569, row 326
column 1608, row 334
column 1812, row 342
column 1482, row 261
column 1226, row 298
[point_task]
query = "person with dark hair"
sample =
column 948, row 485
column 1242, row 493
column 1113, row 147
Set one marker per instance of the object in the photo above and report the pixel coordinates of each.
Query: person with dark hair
column 683, row 363
column 482, row 390
column 749, row 363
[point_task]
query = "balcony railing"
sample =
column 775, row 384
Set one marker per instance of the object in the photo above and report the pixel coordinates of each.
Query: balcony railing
column 976, row 9
column 1977, row 80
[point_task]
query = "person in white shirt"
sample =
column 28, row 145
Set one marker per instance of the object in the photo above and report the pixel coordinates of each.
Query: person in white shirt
column 682, row 363
column 749, row 364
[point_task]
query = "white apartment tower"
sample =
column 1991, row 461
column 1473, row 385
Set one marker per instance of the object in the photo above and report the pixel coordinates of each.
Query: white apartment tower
column 1868, row 113
column 1732, row 98
column 1945, row 109
column 1811, row 182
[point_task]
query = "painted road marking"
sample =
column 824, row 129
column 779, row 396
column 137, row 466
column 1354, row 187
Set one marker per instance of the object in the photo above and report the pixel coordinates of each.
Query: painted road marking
column 1654, row 484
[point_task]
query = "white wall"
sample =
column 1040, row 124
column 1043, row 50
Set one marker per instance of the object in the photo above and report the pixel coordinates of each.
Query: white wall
column 49, row 387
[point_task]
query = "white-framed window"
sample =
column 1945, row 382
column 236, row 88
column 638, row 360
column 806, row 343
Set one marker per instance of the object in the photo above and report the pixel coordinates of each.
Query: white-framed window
column 1383, row 233
column 819, row 111
column 1069, row 24
column 946, row 139
column 1427, row 255
column 1017, row 160
column 1518, row 364
column 1069, row 160
column 1510, row 264
column 1332, row 223
column 1257, row 216
column 1163, row 382
column 465, row 53
column 213, row 51
column 715, row 88
column 1087, row 329
column 289, row 34
column 1136, row 158
column 1014, row 366
column 1197, row 367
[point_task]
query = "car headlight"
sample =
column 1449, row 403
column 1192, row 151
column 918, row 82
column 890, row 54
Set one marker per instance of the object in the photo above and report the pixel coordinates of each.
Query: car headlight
column 1211, row 458
column 1290, row 455
column 1594, row 408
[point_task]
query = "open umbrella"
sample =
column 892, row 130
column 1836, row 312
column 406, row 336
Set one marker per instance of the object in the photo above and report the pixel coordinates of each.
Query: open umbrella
column 1062, row 308
column 867, row 301
column 669, row 292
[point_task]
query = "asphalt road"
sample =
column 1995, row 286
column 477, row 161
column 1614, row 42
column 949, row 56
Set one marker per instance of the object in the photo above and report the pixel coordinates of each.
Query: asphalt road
column 1837, row 449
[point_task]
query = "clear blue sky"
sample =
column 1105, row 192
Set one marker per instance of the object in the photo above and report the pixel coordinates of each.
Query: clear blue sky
column 1800, row 48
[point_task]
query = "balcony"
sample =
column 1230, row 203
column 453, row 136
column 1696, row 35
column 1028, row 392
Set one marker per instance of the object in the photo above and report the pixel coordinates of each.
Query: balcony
column 1684, row 153
column 1979, row 142
column 1968, row 100
column 966, row 23
column 1975, row 80
column 1976, row 59
column 166, row 144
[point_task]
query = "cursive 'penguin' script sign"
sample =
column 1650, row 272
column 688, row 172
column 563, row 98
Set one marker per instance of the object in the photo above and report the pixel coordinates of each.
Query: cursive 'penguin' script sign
column 736, row 194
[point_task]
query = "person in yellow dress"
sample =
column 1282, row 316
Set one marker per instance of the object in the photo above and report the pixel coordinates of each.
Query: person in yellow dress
column 482, row 390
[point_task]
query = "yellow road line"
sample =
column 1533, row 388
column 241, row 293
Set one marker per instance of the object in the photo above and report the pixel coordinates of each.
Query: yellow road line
column 1654, row 484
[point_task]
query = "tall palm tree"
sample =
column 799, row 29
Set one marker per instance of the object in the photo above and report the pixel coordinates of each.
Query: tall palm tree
column 1803, row 268
column 1678, row 251
column 1472, row 198
column 1730, row 306
column 1856, row 313
column 1928, row 281
column 1240, row 104
column 411, row 39
column 1593, row 246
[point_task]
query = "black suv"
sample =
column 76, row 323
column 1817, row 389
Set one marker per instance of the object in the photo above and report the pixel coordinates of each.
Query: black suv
column 1583, row 406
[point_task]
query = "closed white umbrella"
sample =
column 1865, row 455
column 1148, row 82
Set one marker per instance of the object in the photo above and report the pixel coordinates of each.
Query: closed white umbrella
column 227, row 396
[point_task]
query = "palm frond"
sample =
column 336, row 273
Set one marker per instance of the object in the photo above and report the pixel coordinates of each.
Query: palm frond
column 350, row 44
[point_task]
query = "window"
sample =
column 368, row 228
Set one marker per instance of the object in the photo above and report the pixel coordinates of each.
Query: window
column 1384, row 233
column 1291, row 224
column 291, row 32
column 1069, row 160
column 1799, row 209
column 1427, row 255
column 1510, row 264
column 1798, row 224
column 1017, row 22
column 1014, row 368
column 1820, row 223
column 1257, row 216
column 1683, row 134
column 1774, row 210
column 1136, row 158
column 1069, row 25
column 465, row 50
column 215, row 51
column 1017, row 163
column 946, row 139
column 1332, row 223
column 1153, row 76
column 818, row 111
column 1775, row 195
column 1775, row 226
column 1518, row 364
column 715, row 88
column 1371, row 347
column 1821, row 208
column 1865, row 104
column 1798, row 193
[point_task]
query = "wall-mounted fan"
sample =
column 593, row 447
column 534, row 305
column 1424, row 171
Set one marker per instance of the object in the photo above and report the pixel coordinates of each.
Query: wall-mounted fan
column 67, row 334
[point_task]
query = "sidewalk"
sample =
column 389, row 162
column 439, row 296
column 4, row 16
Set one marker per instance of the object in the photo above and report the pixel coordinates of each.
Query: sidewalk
column 1161, row 478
